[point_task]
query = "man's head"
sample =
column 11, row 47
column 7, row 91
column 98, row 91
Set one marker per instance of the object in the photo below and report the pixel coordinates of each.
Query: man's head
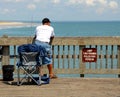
column 45, row 21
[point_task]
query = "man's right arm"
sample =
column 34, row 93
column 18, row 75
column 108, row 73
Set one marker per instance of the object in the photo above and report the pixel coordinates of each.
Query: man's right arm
column 51, row 40
column 34, row 39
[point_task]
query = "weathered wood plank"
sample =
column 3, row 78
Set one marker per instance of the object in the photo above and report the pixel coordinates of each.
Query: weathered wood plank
column 64, row 40
column 64, row 87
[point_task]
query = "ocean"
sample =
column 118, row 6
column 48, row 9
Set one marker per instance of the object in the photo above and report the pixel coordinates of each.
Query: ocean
column 64, row 29
column 70, row 29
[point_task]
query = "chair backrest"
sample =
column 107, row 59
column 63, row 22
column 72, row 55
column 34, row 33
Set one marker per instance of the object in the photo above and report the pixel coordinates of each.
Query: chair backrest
column 29, row 58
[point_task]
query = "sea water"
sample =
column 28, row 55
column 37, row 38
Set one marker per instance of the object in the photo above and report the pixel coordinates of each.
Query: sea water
column 108, row 28
column 72, row 29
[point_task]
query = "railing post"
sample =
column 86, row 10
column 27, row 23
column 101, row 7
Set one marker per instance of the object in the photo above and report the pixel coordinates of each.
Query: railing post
column 119, row 60
column 5, row 55
column 82, row 65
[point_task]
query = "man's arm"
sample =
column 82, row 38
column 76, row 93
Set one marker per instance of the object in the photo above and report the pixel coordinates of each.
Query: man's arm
column 51, row 40
column 34, row 39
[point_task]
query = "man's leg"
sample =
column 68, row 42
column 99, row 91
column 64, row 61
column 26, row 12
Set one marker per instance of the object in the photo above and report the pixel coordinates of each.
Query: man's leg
column 51, row 71
column 40, row 70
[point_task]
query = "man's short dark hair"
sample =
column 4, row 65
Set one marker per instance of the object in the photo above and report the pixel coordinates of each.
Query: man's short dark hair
column 45, row 20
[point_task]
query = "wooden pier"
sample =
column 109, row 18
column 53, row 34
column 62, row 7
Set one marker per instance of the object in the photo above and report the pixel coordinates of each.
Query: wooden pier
column 68, row 54
column 67, row 59
column 64, row 87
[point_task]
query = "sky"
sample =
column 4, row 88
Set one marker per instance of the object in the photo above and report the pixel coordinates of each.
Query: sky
column 60, row 10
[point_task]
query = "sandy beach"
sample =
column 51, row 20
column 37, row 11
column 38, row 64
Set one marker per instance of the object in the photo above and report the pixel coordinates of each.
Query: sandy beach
column 10, row 24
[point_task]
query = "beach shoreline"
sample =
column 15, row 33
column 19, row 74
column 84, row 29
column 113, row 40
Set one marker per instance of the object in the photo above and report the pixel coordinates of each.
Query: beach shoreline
column 11, row 23
column 5, row 24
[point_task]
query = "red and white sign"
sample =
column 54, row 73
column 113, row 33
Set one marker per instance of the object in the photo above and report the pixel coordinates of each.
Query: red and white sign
column 89, row 55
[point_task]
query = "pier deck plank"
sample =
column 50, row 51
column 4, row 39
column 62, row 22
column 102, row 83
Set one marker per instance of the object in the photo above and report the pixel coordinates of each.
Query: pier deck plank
column 64, row 87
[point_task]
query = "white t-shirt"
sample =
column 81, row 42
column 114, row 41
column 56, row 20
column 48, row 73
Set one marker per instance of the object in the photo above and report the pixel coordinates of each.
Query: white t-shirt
column 44, row 33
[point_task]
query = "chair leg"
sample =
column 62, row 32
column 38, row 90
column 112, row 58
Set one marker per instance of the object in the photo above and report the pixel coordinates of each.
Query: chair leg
column 39, row 80
column 18, row 74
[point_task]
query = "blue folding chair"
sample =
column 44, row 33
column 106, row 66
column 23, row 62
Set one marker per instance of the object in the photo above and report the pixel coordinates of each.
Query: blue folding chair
column 29, row 62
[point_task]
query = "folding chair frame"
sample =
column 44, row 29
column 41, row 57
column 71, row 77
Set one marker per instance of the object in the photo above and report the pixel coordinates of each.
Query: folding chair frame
column 29, row 66
column 28, row 74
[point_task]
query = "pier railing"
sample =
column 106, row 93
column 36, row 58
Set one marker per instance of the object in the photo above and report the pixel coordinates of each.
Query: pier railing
column 71, row 55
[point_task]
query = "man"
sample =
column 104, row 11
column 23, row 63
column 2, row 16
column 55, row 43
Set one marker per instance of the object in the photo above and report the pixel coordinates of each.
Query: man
column 44, row 35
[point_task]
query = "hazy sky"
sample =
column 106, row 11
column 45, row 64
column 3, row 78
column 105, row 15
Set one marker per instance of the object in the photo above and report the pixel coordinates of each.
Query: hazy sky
column 60, row 10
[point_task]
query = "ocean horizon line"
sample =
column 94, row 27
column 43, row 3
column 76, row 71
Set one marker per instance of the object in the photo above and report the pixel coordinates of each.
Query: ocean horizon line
column 39, row 21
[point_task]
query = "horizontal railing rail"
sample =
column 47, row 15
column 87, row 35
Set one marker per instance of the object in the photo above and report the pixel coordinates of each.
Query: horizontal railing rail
column 68, row 54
